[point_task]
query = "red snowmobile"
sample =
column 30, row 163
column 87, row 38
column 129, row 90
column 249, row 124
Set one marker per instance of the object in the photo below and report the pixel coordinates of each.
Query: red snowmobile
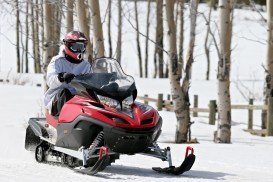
column 99, row 123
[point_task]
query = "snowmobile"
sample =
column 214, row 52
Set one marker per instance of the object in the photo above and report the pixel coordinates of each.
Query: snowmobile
column 101, row 122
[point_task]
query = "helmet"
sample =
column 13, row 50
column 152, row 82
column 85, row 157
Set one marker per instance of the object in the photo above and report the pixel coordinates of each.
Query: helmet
column 75, row 45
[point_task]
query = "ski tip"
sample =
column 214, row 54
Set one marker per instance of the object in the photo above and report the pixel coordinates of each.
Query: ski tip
column 185, row 166
column 99, row 166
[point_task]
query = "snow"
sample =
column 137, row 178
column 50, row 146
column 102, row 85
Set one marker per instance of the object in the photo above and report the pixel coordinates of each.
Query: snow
column 248, row 158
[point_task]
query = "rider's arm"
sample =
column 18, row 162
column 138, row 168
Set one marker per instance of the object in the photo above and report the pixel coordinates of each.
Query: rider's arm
column 52, row 75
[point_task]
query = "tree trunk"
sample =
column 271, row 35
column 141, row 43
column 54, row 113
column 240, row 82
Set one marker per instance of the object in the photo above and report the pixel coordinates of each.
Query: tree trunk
column 181, row 37
column 268, row 90
column 22, row 47
column 57, row 25
column 42, row 42
column 109, row 28
column 189, row 56
column 159, row 40
column 206, row 46
column 181, row 127
column 27, row 37
column 84, row 26
column 138, row 42
column 224, row 107
column 180, row 94
column 18, row 36
column 69, row 15
column 37, row 57
column 147, row 38
column 97, row 29
column 48, row 34
column 119, row 31
column 35, row 34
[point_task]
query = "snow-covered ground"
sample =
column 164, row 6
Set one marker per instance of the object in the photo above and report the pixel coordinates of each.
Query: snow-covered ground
column 248, row 158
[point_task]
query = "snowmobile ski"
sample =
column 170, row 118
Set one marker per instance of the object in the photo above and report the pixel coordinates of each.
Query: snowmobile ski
column 99, row 166
column 185, row 166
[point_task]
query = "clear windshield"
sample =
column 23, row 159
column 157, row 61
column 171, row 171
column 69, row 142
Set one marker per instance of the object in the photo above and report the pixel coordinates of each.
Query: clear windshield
column 112, row 68
column 108, row 77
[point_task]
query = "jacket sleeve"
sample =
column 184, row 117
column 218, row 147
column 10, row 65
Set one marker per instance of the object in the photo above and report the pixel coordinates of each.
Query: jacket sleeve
column 52, row 75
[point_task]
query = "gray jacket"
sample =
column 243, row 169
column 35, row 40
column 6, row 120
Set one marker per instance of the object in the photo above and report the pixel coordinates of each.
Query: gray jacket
column 57, row 65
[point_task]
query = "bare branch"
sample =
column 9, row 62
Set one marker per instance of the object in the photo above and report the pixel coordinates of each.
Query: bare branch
column 213, row 36
column 142, row 34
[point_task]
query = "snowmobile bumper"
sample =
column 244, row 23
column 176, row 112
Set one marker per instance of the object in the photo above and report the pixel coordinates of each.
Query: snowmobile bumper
column 130, row 141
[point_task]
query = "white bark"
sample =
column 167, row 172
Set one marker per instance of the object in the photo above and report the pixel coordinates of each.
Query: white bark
column 48, row 46
column 27, row 36
column 97, row 29
column 158, row 59
column 69, row 15
column 176, row 90
column 109, row 28
column 119, row 32
column 224, row 106
column 48, row 33
column 180, row 94
column 57, row 12
column 35, row 35
column 138, row 42
column 18, row 36
column 206, row 45
column 268, row 90
column 147, row 38
column 84, row 26
column 181, row 37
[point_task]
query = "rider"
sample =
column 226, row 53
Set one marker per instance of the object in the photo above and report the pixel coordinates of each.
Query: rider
column 63, row 68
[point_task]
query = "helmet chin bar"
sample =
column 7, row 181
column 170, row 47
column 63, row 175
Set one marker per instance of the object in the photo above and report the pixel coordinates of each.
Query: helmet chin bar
column 79, row 56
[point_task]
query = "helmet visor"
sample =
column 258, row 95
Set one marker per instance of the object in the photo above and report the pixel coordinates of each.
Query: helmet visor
column 77, row 47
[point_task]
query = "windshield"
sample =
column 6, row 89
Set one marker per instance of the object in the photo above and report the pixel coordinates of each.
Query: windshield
column 106, row 78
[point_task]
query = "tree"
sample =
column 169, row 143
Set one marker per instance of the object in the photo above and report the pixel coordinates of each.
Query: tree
column 147, row 38
column 27, row 36
column 97, row 28
column 138, row 42
column 35, row 35
column 84, row 26
column 57, row 12
column 223, row 134
column 69, row 15
column 109, row 27
column 268, row 90
column 18, row 36
column 119, row 31
column 206, row 45
column 180, row 95
column 181, row 36
column 48, row 48
column 158, row 55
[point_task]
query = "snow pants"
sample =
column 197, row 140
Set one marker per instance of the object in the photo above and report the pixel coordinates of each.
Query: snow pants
column 60, row 98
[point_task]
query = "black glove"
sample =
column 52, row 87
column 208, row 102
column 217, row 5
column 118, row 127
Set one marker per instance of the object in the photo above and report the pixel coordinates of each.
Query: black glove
column 65, row 77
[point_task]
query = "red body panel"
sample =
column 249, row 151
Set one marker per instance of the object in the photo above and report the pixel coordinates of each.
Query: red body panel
column 51, row 120
column 79, row 105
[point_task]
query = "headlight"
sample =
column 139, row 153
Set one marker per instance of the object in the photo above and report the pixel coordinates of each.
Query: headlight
column 127, row 102
column 109, row 102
